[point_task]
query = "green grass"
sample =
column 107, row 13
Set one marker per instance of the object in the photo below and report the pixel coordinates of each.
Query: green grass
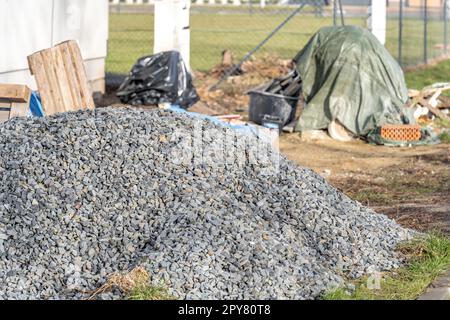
column 428, row 258
column 131, row 36
column 398, row 185
column 149, row 293
column 425, row 76
column 442, row 123
column 371, row 196
column 401, row 188
column 445, row 137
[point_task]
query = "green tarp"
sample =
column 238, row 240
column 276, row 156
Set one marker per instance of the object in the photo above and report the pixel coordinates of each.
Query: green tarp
column 349, row 76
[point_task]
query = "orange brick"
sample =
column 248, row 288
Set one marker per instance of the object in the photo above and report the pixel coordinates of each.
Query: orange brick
column 405, row 132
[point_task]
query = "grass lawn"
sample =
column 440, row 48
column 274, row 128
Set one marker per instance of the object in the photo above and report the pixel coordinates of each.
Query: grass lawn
column 428, row 75
column 131, row 36
column 427, row 259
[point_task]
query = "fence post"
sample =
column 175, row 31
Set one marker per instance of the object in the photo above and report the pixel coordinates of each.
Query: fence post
column 400, row 33
column 445, row 26
column 377, row 20
column 334, row 12
column 171, row 27
column 425, row 32
column 341, row 11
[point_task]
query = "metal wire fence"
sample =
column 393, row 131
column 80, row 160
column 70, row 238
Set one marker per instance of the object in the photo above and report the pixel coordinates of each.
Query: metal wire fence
column 418, row 33
column 416, row 29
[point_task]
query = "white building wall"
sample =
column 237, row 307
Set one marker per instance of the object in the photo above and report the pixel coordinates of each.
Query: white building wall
column 27, row 26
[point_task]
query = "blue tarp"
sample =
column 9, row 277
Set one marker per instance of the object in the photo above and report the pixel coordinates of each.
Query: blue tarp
column 36, row 105
column 245, row 129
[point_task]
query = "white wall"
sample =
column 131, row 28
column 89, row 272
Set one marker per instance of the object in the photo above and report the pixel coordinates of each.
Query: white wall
column 27, row 26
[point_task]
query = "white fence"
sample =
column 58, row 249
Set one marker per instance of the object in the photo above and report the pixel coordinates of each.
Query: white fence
column 131, row 1
column 199, row 2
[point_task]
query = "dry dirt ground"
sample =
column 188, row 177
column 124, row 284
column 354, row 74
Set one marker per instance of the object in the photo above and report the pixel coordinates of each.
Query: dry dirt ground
column 409, row 184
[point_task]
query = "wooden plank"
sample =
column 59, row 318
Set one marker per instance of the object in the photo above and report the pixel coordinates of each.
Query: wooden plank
column 4, row 115
column 435, row 111
column 15, row 92
column 5, row 104
column 430, row 90
column 52, row 79
column 5, row 109
column 20, row 109
column 71, row 75
column 61, row 78
column 37, row 68
column 62, row 81
column 86, row 95
column 445, row 102
column 413, row 93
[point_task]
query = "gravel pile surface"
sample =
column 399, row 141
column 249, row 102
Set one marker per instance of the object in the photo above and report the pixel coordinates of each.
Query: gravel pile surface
column 87, row 194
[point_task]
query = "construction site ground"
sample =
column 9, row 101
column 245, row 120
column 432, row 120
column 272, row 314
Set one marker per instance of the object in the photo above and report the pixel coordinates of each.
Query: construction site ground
column 409, row 184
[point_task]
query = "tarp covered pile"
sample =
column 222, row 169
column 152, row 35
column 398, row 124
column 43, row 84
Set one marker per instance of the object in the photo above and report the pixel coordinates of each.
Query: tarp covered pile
column 350, row 77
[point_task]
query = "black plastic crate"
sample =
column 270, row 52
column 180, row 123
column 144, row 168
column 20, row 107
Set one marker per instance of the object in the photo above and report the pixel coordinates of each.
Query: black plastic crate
column 276, row 105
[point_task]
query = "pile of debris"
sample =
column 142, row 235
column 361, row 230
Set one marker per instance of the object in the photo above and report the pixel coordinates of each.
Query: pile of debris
column 86, row 194
column 232, row 96
column 263, row 67
column 289, row 85
column 430, row 103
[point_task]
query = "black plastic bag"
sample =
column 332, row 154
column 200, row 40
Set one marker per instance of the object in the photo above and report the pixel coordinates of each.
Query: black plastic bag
column 159, row 78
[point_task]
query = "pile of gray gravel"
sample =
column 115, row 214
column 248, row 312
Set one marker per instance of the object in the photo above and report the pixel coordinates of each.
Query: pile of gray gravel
column 87, row 194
